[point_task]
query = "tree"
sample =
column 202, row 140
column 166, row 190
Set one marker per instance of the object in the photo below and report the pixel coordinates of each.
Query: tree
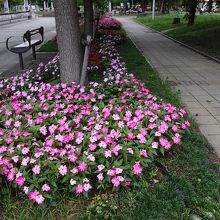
column 210, row 2
column 192, row 12
column 69, row 42
column 89, row 17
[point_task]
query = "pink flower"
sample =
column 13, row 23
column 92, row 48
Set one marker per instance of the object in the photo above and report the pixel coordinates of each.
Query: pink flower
column 115, row 181
column 91, row 158
column 46, row 188
column 118, row 170
column 73, row 158
column 137, row 168
column 144, row 153
column 40, row 199
column 165, row 143
column 20, row 181
column 74, row 170
column 43, row 130
column 127, row 184
column 26, row 189
column 25, row 150
column 52, row 128
column 111, row 173
column 143, row 132
column 154, row 145
column 92, row 147
column 11, row 176
column 130, row 150
column 100, row 176
column 176, row 139
column 175, row 128
column 108, row 153
column 79, row 189
column 82, row 167
column 9, row 140
column 87, row 187
column 116, row 117
column 63, row 170
column 163, row 127
column 101, row 167
column 36, row 169
column 33, row 195
column 72, row 182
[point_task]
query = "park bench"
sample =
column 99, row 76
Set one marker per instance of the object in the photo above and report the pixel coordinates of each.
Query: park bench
column 141, row 14
column 29, row 40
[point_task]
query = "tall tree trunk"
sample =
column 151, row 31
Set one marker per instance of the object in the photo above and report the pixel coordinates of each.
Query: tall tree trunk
column 192, row 12
column 168, row 6
column 162, row 6
column 210, row 2
column 125, row 7
column 68, row 37
column 89, row 17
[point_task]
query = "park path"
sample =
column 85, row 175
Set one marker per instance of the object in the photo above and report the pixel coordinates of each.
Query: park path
column 195, row 76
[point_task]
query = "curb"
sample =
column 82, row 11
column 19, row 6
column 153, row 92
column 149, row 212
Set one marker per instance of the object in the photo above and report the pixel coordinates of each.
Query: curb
column 183, row 44
column 46, row 53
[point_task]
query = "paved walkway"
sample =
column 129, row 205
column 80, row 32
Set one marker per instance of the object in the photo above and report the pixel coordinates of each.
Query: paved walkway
column 195, row 76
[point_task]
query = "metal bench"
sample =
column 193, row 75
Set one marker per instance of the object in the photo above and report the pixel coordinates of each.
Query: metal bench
column 141, row 14
column 27, row 43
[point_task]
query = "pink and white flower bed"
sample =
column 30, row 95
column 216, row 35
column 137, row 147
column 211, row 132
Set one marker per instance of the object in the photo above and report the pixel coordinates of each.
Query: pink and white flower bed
column 72, row 139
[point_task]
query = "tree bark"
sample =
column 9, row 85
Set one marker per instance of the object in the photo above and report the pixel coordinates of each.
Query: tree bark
column 162, row 7
column 68, row 38
column 89, row 17
column 210, row 2
column 125, row 7
column 192, row 12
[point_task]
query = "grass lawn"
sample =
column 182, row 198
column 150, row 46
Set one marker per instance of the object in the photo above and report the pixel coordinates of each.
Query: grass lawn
column 49, row 46
column 195, row 174
column 203, row 35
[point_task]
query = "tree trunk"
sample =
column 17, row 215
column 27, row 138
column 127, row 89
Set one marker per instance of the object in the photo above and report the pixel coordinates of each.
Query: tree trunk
column 192, row 12
column 125, row 7
column 210, row 2
column 162, row 7
column 68, row 38
column 89, row 17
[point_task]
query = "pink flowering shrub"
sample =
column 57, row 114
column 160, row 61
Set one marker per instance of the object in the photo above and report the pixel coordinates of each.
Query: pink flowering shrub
column 74, row 139
column 109, row 23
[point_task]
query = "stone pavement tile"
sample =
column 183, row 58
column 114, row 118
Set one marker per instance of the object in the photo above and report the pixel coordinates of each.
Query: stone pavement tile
column 207, row 98
column 210, row 129
column 199, row 112
column 215, row 111
column 210, row 87
column 188, row 82
column 214, row 92
column 218, row 118
column 198, row 92
column 210, row 104
column 186, row 70
column 206, row 120
column 187, row 98
column 214, row 140
column 193, row 104
column 194, row 87
column 184, row 92
column 216, row 97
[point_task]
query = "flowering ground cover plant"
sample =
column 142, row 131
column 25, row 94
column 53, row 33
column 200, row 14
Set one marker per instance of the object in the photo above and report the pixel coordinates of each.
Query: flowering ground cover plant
column 109, row 23
column 72, row 139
